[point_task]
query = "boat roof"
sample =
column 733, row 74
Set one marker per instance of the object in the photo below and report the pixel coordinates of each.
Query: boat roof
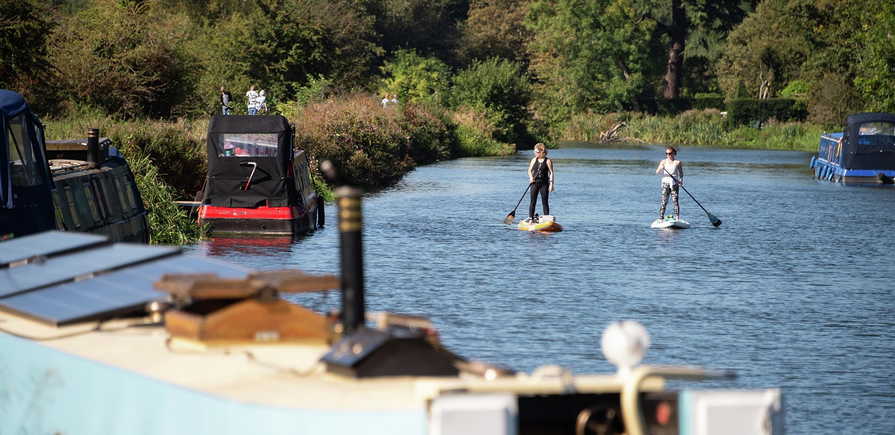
column 11, row 103
column 860, row 118
column 248, row 124
column 271, row 374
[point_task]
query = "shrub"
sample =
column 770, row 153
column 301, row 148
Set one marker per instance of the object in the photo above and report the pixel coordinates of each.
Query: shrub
column 371, row 145
column 127, row 58
column 753, row 111
column 501, row 89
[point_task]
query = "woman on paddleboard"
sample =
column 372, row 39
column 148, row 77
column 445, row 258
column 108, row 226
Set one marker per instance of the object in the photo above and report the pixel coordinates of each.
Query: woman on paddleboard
column 672, row 172
column 540, row 175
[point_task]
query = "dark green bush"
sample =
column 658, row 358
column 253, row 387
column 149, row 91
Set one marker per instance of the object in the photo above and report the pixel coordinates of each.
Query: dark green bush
column 708, row 101
column 743, row 111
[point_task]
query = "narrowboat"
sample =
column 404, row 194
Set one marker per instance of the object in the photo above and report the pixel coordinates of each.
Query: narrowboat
column 154, row 341
column 862, row 154
column 257, row 184
column 70, row 185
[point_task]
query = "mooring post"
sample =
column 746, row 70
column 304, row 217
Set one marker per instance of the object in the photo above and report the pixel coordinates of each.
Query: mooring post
column 352, row 258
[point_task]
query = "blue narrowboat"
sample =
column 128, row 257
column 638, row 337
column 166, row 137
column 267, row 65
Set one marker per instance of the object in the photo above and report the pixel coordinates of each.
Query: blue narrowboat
column 862, row 154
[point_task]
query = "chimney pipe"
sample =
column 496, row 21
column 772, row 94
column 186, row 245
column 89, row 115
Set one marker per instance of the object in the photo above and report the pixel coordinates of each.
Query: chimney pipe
column 93, row 152
column 351, row 256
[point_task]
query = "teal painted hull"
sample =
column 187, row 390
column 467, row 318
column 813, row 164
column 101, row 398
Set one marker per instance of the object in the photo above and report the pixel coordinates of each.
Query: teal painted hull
column 46, row 391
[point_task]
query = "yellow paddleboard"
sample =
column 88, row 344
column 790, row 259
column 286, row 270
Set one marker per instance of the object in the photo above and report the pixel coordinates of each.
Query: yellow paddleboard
column 546, row 224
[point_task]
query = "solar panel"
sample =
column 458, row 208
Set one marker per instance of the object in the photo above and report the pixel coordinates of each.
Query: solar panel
column 108, row 295
column 76, row 266
column 46, row 244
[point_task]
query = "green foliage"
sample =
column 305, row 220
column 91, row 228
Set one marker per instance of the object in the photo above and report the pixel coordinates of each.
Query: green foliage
column 501, row 89
column 428, row 27
column 279, row 45
column 875, row 71
column 168, row 223
column 708, row 101
column 768, row 49
column 495, row 28
column 795, row 89
column 315, row 91
column 476, row 132
column 416, row 79
column 126, row 59
column 24, row 28
column 371, row 145
column 697, row 128
column 831, row 100
column 751, row 111
column 586, row 56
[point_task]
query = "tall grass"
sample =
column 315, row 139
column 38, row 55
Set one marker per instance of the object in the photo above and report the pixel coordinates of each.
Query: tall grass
column 695, row 127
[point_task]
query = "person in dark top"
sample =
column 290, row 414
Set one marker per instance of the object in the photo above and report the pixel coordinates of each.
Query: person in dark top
column 226, row 101
column 540, row 175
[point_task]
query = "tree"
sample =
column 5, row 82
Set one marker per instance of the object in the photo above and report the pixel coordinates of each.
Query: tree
column 127, row 59
column 415, row 78
column 500, row 88
column 689, row 29
column 495, row 28
column 428, row 27
column 586, row 55
column 25, row 26
column 279, row 44
column 766, row 51
column 875, row 69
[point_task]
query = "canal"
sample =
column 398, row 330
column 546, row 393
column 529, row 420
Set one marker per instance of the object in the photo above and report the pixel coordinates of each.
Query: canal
column 794, row 290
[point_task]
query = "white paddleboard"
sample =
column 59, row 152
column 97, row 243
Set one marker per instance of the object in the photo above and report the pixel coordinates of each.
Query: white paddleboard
column 670, row 223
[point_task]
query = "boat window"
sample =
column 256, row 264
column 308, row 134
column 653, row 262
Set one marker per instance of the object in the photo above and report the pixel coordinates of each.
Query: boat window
column 877, row 136
column 22, row 160
column 247, row 145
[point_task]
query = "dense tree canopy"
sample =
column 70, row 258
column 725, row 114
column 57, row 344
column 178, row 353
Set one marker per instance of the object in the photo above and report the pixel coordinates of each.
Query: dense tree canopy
column 25, row 26
column 168, row 58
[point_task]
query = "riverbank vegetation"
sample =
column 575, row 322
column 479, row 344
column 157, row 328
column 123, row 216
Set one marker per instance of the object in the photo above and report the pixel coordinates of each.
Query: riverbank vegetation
column 471, row 77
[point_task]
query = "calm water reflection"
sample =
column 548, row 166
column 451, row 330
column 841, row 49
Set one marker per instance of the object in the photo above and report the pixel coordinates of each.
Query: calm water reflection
column 794, row 290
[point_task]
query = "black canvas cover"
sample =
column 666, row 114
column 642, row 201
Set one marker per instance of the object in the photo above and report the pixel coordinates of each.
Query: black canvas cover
column 249, row 157
column 869, row 141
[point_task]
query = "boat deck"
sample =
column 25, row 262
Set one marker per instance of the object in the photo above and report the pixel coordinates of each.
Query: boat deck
column 283, row 375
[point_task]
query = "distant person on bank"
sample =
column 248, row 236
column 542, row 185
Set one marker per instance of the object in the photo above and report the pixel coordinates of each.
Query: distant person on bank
column 252, row 100
column 226, row 102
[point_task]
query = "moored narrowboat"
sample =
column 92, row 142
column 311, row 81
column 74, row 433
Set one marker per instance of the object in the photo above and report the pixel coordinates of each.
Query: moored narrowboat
column 257, row 183
column 71, row 185
column 862, row 154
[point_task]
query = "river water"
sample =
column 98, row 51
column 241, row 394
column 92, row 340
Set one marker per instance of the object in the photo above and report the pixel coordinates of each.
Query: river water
column 794, row 290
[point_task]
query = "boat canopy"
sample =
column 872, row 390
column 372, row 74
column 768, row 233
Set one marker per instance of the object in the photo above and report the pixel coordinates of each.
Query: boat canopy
column 249, row 161
column 869, row 141
column 23, row 164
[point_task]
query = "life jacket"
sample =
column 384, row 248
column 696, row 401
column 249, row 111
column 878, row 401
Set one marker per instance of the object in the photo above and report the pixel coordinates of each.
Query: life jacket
column 541, row 171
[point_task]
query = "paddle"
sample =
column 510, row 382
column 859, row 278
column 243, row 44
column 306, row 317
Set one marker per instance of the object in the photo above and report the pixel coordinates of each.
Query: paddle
column 715, row 221
column 509, row 219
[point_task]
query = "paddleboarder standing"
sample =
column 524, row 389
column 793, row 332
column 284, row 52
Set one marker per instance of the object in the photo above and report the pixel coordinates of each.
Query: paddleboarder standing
column 672, row 172
column 540, row 175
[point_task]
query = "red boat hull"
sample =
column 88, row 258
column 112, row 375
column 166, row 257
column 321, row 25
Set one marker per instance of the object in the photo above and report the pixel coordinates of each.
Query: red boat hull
column 274, row 221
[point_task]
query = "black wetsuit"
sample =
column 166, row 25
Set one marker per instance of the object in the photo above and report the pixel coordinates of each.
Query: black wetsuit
column 542, row 185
